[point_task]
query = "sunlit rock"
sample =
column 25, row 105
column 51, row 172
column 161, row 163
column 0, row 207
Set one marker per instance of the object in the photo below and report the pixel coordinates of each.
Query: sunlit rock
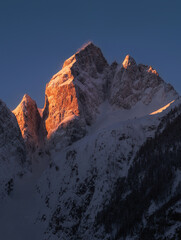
column 29, row 121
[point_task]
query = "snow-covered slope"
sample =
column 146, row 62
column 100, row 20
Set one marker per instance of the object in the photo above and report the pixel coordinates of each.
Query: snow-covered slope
column 79, row 188
column 12, row 151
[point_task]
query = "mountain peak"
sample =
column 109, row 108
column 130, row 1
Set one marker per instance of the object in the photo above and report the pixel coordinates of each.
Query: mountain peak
column 26, row 101
column 76, row 92
column 71, row 89
column 88, row 55
column 150, row 69
column 85, row 46
column 26, row 97
column 128, row 61
column 135, row 84
column 29, row 120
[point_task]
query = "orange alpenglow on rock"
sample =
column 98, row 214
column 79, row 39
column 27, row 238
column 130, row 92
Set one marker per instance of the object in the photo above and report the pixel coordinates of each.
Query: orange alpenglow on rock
column 153, row 71
column 128, row 61
column 61, row 100
column 29, row 120
column 74, row 95
column 61, row 103
column 70, row 90
column 162, row 109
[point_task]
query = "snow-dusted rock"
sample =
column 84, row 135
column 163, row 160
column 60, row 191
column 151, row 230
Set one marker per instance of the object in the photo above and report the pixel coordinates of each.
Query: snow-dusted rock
column 12, row 150
column 134, row 84
column 74, row 95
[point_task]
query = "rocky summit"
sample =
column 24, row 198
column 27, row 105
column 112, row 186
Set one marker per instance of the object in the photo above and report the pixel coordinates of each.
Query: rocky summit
column 74, row 94
column 29, row 121
column 100, row 161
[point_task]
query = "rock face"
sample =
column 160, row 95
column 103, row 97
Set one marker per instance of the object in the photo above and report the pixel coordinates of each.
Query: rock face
column 29, row 121
column 76, row 91
column 12, row 150
column 74, row 96
column 134, row 83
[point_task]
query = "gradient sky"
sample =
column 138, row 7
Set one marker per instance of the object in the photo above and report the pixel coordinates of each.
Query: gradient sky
column 37, row 36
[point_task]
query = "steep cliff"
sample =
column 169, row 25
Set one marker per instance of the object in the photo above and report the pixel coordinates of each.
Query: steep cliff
column 29, row 121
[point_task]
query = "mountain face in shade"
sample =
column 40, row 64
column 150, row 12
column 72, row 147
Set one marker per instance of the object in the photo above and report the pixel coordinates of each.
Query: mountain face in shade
column 133, row 84
column 105, row 153
column 12, row 150
column 114, row 179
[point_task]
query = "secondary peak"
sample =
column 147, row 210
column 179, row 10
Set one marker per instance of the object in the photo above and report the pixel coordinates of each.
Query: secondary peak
column 128, row 61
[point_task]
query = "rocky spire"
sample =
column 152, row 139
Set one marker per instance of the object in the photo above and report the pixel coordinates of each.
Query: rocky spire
column 128, row 62
column 90, row 55
column 29, row 121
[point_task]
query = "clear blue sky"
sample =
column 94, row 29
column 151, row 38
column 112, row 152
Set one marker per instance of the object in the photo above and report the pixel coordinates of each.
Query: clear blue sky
column 37, row 36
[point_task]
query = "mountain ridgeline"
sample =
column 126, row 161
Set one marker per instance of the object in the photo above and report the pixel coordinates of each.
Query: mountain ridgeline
column 112, row 149
column 73, row 95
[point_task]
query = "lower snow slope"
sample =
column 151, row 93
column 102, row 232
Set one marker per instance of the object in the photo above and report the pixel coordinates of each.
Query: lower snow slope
column 19, row 211
column 72, row 189
column 12, row 151
column 81, row 179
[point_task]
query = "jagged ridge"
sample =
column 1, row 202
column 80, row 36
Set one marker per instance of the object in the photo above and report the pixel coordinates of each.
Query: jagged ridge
column 73, row 95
